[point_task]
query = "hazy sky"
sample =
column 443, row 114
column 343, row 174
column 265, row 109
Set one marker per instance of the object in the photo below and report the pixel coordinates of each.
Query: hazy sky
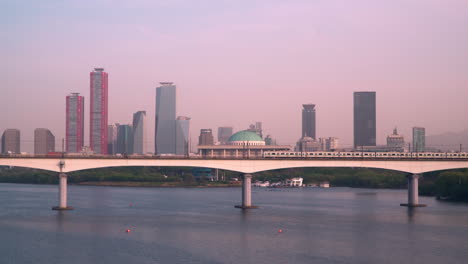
column 237, row 62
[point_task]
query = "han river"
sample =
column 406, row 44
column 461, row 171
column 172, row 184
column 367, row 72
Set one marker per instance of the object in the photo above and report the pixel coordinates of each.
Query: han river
column 201, row 225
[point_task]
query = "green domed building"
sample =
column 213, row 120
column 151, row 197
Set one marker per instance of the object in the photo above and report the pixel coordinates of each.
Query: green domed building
column 246, row 137
column 243, row 144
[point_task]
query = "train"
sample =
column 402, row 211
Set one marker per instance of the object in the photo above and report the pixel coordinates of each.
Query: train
column 268, row 155
column 371, row 155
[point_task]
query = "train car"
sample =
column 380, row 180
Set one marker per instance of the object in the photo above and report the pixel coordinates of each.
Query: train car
column 373, row 155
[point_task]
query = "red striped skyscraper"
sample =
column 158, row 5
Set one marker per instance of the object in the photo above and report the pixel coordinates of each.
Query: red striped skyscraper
column 98, row 111
column 75, row 123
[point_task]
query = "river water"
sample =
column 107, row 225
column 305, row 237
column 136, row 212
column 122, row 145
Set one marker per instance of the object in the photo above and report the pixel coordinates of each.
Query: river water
column 201, row 225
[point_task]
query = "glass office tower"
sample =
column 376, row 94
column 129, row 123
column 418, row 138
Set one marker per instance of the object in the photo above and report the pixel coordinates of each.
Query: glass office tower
column 165, row 127
column 182, row 135
column 308, row 121
column 364, row 119
column 419, row 139
column 139, row 132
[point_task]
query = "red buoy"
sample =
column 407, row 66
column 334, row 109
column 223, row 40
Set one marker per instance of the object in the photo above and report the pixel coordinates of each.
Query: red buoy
column 280, row 230
column 128, row 231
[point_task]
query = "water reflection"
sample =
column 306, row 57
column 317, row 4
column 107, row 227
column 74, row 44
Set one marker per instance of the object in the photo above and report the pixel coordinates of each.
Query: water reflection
column 196, row 225
column 410, row 212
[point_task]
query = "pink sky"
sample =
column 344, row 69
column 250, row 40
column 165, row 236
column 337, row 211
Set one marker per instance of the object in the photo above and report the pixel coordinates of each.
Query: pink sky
column 237, row 62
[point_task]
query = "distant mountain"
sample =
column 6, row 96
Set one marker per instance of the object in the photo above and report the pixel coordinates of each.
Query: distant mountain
column 448, row 141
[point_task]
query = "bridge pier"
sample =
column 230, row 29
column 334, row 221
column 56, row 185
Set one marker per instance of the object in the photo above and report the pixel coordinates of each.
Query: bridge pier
column 413, row 191
column 246, row 193
column 62, row 194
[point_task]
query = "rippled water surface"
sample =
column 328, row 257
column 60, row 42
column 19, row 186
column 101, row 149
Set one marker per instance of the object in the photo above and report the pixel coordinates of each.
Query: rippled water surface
column 188, row 225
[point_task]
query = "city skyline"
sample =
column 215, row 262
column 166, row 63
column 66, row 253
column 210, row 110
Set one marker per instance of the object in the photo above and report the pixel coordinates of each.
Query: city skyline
column 359, row 47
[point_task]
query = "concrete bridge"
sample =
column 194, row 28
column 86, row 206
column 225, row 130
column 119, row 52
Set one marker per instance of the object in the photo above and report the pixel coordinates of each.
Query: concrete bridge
column 413, row 167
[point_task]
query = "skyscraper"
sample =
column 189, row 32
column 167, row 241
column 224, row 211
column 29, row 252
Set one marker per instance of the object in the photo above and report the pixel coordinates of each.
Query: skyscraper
column 44, row 141
column 124, row 139
column 364, row 119
column 308, row 121
column 224, row 133
column 182, row 135
column 74, row 126
column 98, row 111
column 112, row 139
column 206, row 137
column 419, row 139
column 139, row 132
column 165, row 123
column 11, row 141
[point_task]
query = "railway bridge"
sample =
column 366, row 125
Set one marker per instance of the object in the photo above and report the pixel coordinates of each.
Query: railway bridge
column 62, row 165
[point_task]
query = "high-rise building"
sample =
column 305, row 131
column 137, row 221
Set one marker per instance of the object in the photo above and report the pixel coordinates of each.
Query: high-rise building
column 124, row 139
column 112, row 139
column 269, row 141
column 11, row 141
column 419, row 139
column 364, row 119
column 308, row 121
column 139, row 132
column 165, row 127
column 256, row 128
column 224, row 133
column 206, row 137
column 44, row 141
column 74, row 126
column 395, row 142
column 307, row 144
column 182, row 135
column 98, row 111
column 329, row 143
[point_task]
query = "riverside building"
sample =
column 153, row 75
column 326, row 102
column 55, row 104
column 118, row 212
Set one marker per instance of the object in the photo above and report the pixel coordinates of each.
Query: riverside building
column 243, row 144
column 206, row 137
column 44, row 141
column 11, row 141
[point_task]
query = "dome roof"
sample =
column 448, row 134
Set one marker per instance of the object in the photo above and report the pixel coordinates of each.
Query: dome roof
column 306, row 139
column 245, row 135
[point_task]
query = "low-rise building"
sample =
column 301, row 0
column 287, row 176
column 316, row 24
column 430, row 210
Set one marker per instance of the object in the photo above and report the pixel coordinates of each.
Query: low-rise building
column 395, row 142
column 294, row 182
column 308, row 144
column 243, row 144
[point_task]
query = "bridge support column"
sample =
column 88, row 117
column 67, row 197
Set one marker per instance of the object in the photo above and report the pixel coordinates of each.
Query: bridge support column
column 413, row 191
column 246, row 193
column 62, row 193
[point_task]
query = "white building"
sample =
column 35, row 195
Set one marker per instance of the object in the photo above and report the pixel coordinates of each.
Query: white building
column 329, row 144
column 294, row 182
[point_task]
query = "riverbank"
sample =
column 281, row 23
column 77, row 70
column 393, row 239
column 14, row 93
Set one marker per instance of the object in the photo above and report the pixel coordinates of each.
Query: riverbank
column 451, row 185
column 160, row 184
